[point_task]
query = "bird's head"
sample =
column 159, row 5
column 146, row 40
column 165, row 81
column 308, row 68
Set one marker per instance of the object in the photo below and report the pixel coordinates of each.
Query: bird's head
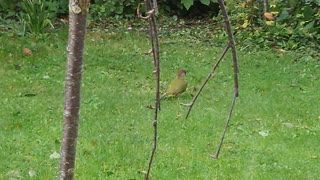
column 181, row 73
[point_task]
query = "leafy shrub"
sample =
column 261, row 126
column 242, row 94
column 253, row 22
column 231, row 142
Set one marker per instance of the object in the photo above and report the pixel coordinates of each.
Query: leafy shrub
column 102, row 9
column 32, row 16
column 35, row 16
column 295, row 24
column 10, row 8
column 190, row 8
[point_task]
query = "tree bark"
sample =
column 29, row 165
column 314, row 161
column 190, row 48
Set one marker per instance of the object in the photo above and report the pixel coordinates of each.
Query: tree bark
column 77, row 29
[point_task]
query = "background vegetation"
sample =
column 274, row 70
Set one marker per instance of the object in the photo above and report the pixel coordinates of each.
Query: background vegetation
column 295, row 26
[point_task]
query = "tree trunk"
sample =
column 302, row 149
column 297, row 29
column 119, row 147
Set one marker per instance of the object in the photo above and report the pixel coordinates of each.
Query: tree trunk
column 77, row 30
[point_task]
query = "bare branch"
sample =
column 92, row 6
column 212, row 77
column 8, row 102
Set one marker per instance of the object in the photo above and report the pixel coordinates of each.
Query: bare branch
column 235, row 69
column 155, row 50
column 226, row 126
column 231, row 44
column 211, row 74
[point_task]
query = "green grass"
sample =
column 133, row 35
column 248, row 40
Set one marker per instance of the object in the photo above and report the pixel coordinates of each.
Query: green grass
column 279, row 96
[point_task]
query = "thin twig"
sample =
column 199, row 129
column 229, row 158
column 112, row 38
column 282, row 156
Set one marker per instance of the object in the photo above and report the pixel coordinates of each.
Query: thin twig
column 226, row 126
column 155, row 50
column 211, row 74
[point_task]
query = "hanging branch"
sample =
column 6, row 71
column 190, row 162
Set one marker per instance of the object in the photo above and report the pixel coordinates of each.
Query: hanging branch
column 231, row 44
column 226, row 126
column 211, row 74
column 151, row 12
column 235, row 70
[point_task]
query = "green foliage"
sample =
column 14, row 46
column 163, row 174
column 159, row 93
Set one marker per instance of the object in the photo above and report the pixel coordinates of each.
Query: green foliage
column 188, row 3
column 35, row 16
column 7, row 8
column 19, row 17
column 300, row 21
column 296, row 24
column 190, row 9
column 102, row 9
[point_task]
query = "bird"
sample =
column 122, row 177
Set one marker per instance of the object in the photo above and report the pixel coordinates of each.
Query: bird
column 177, row 86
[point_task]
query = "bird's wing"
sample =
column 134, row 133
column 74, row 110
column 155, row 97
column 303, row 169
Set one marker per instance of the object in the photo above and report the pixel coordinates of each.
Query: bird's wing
column 173, row 89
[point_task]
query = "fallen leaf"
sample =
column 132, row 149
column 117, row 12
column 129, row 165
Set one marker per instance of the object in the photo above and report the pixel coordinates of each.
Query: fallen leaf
column 288, row 125
column 227, row 147
column 178, row 116
column 13, row 174
column 149, row 106
column 181, row 168
column 264, row 133
column 268, row 15
column 46, row 77
column 32, row 173
column 27, row 51
column 314, row 157
column 142, row 172
column 65, row 20
column 54, row 155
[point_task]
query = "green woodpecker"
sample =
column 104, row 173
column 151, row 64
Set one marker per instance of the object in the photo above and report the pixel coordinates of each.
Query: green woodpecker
column 177, row 86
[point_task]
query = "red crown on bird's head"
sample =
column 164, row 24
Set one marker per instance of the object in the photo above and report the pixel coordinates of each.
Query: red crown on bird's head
column 181, row 72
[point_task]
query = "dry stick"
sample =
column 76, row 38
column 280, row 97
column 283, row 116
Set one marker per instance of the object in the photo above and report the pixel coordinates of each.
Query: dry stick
column 215, row 66
column 155, row 50
column 235, row 70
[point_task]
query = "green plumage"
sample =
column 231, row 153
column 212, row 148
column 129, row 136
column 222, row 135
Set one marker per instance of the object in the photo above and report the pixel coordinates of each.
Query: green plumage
column 177, row 86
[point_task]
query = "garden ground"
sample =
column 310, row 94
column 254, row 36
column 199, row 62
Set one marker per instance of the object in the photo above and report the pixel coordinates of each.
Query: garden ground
column 274, row 131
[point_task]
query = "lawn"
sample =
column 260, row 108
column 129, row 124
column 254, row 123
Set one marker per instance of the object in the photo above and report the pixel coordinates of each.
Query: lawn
column 274, row 131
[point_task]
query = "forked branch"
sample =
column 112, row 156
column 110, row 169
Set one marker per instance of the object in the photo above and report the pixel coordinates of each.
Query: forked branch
column 231, row 44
